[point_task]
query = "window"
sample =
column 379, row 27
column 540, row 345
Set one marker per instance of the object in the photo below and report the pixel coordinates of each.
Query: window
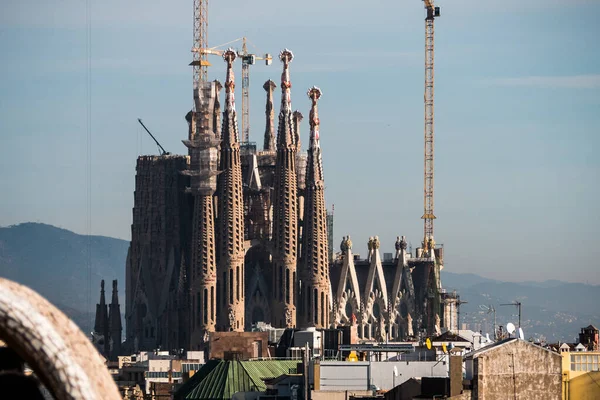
column 584, row 362
column 287, row 285
column 212, row 303
column 231, row 286
column 205, row 307
column 237, row 282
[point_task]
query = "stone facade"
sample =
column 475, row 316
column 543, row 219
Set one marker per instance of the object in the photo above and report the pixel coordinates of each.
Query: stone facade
column 156, row 285
column 238, row 345
column 512, row 368
column 398, row 299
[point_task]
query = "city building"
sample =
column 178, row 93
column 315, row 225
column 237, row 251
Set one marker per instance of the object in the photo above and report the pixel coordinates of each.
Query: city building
column 510, row 368
column 589, row 337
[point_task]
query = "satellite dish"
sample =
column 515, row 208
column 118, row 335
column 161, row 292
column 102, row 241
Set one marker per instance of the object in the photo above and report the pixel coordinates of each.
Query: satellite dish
column 428, row 344
column 395, row 371
column 521, row 335
column 444, row 348
column 510, row 328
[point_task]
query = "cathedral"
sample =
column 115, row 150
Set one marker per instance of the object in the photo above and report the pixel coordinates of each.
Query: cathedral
column 229, row 235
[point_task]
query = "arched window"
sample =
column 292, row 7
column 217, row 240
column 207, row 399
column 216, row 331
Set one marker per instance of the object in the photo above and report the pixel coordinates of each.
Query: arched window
column 237, row 282
column 316, row 306
column 212, row 303
column 322, row 308
column 205, row 307
column 287, row 285
column 230, row 286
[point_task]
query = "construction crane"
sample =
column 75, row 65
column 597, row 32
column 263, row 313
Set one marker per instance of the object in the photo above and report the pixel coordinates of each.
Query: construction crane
column 248, row 59
column 428, row 215
column 163, row 152
column 200, row 62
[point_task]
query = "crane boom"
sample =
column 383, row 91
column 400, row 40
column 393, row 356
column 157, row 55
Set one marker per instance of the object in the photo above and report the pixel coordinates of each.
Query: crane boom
column 163, row 152
column 428, row 215
column 200, row 62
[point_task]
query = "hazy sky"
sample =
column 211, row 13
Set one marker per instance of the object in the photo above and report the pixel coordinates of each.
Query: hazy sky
column 517, row 116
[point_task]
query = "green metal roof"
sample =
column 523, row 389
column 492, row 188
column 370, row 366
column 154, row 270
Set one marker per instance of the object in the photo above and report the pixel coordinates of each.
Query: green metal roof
column 221, row 379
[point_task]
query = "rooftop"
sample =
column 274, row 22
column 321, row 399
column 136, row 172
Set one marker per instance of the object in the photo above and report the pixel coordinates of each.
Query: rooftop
column 219, row 379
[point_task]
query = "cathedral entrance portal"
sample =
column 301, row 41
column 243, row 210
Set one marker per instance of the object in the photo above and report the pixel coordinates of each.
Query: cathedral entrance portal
column 258, row 285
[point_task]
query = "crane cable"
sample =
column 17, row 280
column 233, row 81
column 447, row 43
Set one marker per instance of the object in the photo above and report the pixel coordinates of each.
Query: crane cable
column 88, row 93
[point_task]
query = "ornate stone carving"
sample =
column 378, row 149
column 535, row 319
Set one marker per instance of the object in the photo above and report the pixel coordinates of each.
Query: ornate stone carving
column 51, row 343
column 376, row 243
column 343, row 245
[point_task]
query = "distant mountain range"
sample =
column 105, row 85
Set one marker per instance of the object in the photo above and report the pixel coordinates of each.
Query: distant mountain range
column 551, row 309
column 67, row 268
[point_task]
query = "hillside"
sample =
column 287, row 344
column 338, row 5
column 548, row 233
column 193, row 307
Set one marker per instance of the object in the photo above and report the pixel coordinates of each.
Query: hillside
column 552, row 309
column 54, row 262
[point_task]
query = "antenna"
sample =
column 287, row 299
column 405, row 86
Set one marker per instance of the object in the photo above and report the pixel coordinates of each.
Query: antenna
column 459, row 302
column 515, row 303
column 510, row 328
column 521, row 335
column 490, row 309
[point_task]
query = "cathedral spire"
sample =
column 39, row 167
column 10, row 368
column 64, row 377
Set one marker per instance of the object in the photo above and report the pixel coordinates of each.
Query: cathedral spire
column 285, row 212
column 286, row 133
column 230, row 129
column 114, row 320
column 269, row 143
column 101, row 315
column 315, row 163
column 202, row 145
column 230, row 270
column 315, row 296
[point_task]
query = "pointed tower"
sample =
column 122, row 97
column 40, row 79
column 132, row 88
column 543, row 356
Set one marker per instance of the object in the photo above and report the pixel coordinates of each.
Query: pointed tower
column 269, row 144
column 231, row 214
column 114, row 322
column 315, row 296
column 348, row 290
column 375, row 298
column 285, row 211
column 101, row 323
column 202, row 146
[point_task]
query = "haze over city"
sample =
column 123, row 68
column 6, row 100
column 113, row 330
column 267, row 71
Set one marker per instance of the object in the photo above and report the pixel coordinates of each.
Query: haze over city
column 517, row 95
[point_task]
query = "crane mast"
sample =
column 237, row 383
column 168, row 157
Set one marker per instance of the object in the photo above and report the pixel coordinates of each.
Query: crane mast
column 200, row 63
column 245, row 93
column 428, row 215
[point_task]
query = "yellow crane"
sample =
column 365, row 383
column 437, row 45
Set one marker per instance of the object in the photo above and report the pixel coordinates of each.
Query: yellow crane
column 428, row 215
column 248, row 59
